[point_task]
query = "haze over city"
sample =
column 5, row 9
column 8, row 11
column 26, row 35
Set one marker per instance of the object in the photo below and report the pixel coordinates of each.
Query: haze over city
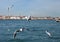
column 30, row 8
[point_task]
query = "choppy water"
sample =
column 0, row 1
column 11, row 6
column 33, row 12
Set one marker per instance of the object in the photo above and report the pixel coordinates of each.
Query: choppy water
column 36, row 33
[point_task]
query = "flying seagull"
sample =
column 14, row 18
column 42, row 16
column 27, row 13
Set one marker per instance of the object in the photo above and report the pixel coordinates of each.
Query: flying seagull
column 19, row 30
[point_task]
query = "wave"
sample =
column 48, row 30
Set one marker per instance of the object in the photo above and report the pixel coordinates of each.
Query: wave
column 54, row 37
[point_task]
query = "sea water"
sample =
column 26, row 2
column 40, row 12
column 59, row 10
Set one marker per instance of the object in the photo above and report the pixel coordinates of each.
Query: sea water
column 36, row 31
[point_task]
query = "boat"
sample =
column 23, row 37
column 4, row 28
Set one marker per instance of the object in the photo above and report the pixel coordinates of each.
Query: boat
column 57, row 20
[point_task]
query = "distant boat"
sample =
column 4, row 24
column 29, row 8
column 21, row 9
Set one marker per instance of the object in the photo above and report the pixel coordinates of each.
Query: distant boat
column 58, row 20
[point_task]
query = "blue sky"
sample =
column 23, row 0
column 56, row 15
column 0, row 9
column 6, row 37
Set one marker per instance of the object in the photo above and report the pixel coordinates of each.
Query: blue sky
column 30, row 7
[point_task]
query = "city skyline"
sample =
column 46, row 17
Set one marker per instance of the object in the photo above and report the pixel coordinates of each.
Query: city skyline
column 30, row 8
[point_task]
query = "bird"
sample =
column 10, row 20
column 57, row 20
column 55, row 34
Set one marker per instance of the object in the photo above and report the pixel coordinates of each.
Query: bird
column 15, row 33
column 48, row 33
column 19, row 30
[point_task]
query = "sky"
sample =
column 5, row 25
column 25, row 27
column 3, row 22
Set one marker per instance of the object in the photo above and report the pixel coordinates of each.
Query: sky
column 37, row 8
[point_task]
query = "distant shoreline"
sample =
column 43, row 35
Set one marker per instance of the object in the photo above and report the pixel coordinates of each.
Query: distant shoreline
column 24, row 17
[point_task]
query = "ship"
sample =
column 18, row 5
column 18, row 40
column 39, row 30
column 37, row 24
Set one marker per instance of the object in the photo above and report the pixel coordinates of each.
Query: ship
column 57, row 20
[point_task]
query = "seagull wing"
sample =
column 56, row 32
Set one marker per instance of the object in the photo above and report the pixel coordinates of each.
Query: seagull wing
column 14, row 35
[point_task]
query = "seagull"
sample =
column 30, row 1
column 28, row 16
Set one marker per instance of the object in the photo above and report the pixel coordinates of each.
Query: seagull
column 49, row 34
column 28, row 18
column 19, row 30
